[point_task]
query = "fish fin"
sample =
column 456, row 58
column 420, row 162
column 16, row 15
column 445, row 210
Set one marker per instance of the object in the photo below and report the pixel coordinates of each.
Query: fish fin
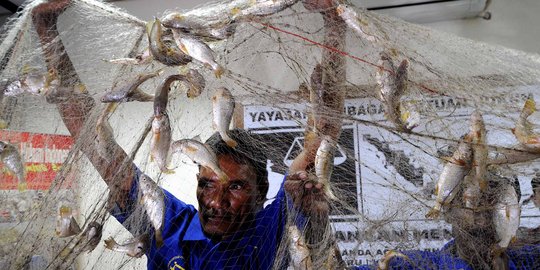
column 530, row 106
column 74, row 226
column 235, row 11
column 483, row 184
column 110, row 243
column 448, row 159
column 197, row 138
column 231, row 143
column 533, row 140
column 167, row 171
column 459, row 162
column 159, row 238
column 65, row 211
column 513, row 130
column 433, row 213
column 513, row 240
column 22, row 186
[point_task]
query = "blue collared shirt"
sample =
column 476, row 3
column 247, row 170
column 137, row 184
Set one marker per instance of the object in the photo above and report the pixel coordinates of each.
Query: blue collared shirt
column 187, row 247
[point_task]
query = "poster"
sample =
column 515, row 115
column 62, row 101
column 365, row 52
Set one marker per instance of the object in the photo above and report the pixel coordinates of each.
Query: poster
column 389, row 178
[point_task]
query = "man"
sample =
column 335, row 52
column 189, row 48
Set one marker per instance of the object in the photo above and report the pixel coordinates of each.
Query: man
column 230, row 230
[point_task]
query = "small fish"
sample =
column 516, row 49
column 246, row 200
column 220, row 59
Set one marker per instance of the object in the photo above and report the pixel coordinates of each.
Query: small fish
column 104, row 134
column 153, row 200
column 223, row 109
column 198, row 50
column 201, row 154
column 195, row 26
column 130, row 91
column 66, row 225
column 506, row 215
column 471, row 191
column 262, row 8
column 92, row 236
column 161, row 126
column 136, row 247
column 298, row 250
column 384, row 262
column 392, row 84
column 453, row 173
column 12, row 160
column 351, row 19
column 162, row 51
column 480, row 150
column 143, row 58
column 324, row 163
column 523, row 130
column 197, row 83
column 32, row 83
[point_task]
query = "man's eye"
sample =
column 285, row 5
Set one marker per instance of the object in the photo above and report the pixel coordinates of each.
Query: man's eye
column 205, row 184
column 236, row 186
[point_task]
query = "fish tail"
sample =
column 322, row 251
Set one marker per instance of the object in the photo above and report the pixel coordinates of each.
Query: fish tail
column 159, row 238
column 218, row 71
column 529, row 107
column 110, row 243
column 433, row 213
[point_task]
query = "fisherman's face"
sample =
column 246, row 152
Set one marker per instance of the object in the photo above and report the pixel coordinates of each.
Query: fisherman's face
column 225, row 206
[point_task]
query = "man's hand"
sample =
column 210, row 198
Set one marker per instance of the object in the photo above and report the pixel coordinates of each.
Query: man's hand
column 307, row 194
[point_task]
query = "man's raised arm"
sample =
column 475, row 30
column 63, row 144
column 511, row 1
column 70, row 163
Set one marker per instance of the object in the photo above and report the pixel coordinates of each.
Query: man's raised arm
column 75, row 107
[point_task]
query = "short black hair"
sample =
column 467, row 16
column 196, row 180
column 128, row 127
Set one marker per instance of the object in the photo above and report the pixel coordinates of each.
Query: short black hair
column 246, row 152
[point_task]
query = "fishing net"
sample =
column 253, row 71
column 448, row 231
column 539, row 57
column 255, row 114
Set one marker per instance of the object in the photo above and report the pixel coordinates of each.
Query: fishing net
column 301, row 76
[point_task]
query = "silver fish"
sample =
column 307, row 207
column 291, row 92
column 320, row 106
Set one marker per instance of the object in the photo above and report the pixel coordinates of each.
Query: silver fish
column 197, row 27
column 142, row 58
column 298, row 250
column 66, row 225
column 480, row 150
column 164, row 52
column 130, row 91
column 135, row 247
column 11, row 158
column 197, row 83
column 198, row 50
column 161, row 126
column 451, row 177
column 392, row 84
column 353, row 21
column 222, row 110
column 523, row 130
column 324, row 164
column 104, row 134
column 262, row 8
column 32, row 83
column 92, row 236
column 153, row 200
column 506, row 215
column 201, row 154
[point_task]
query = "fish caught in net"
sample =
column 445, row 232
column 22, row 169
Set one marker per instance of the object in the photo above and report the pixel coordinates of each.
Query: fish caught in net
column 268, row 134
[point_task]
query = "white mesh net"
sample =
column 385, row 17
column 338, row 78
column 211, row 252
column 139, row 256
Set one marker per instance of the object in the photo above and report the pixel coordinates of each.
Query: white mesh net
column 408, row 122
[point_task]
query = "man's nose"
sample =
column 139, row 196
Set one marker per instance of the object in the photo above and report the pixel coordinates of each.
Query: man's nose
column 218, row 199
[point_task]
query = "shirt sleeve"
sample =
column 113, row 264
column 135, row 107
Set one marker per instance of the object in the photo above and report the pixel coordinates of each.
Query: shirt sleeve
column 134, row 218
